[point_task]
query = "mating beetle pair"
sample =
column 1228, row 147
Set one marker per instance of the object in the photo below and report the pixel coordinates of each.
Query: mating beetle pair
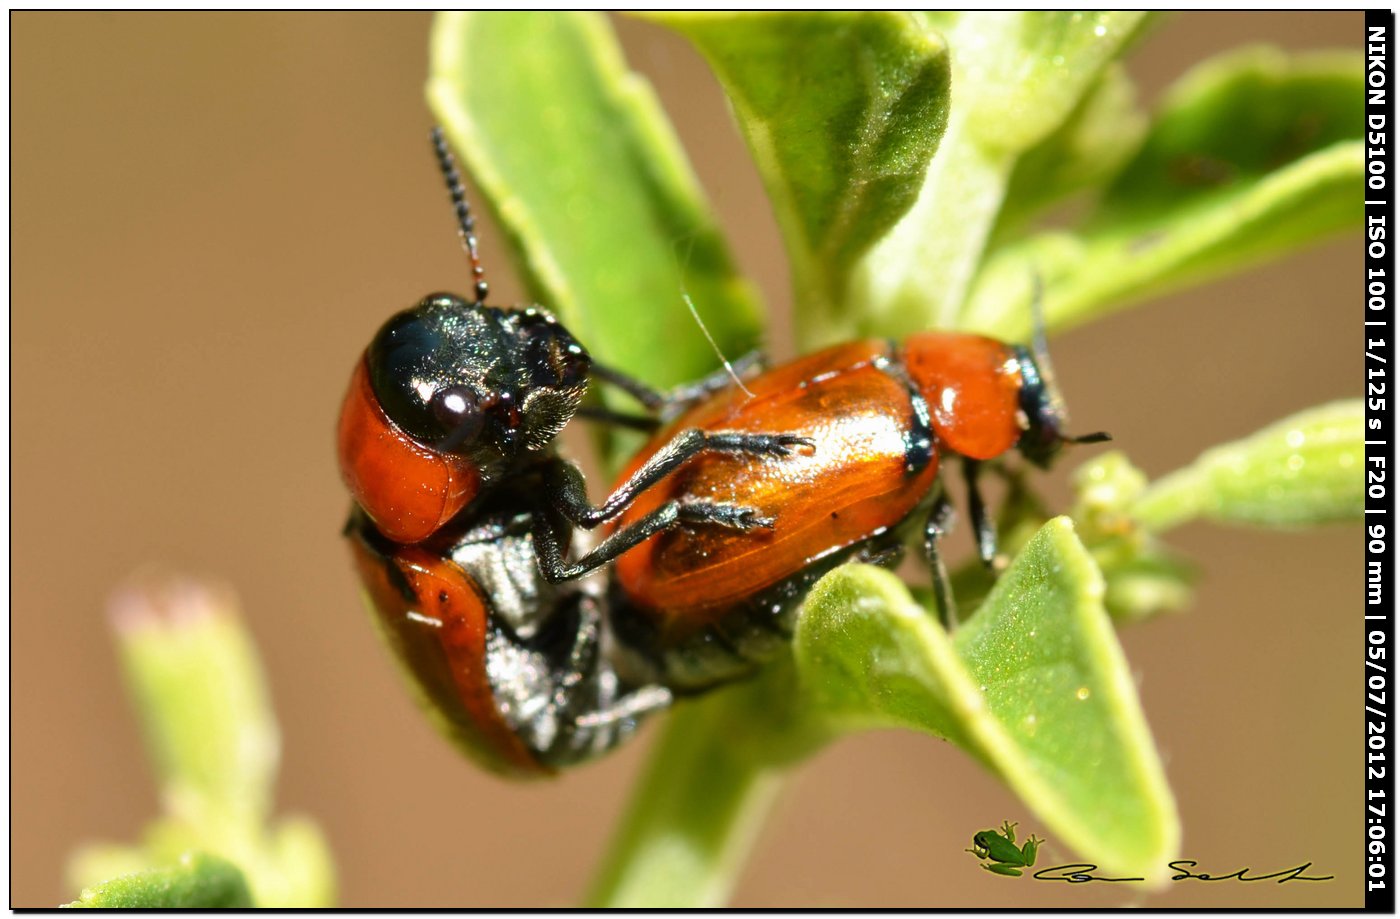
column 465, row 519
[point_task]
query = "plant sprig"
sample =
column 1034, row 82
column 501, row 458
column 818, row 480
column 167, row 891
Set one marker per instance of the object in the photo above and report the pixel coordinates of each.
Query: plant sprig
column 909, row 159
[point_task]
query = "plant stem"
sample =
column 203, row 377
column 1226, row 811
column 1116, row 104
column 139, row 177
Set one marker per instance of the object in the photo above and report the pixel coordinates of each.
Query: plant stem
column 1171, row 500
column 918, row 276
column 692, row 819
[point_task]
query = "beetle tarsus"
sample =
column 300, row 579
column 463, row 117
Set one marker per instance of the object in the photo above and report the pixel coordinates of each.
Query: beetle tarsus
column 758, row 444
column 735, row 516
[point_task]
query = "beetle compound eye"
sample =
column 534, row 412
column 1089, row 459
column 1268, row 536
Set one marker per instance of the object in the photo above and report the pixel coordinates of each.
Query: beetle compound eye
column 457, row 410
column 569, row 362
column 554, row 359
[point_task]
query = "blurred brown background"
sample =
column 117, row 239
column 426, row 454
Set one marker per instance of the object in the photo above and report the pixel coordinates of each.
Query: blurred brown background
column 212, row 214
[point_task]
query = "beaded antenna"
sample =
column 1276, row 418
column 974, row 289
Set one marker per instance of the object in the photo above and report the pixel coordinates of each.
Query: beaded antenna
column 466, row 224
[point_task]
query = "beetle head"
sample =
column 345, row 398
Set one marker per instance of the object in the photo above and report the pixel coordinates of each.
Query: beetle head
column 478, row 381
column 1040, row 396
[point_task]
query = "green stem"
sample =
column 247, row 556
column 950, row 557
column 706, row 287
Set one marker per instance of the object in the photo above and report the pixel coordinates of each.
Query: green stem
column 1171, row 500
column 918, row 276
column 692, row 820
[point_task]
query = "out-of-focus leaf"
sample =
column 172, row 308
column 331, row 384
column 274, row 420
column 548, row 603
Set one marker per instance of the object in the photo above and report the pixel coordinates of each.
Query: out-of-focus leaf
column 582, row 170
column 1154, row 582
column 1301, row 471
column 1253, row 154
column 286, row 866
column 197, row 882
column 1238, row 118
column 842, row 112
column 1034, row 685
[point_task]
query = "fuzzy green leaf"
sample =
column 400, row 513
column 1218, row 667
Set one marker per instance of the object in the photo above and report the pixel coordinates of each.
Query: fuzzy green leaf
column 1302, row 471
column 582, row 170
column 1034, row 685
column 287, row 865
column 842, row 112
column 197, row 882
column 1254, row 154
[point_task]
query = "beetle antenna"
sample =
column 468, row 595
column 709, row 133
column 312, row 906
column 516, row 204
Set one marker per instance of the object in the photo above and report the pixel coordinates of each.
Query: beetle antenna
column 695, row 314
column 466, row 224
column 729, row 368
column 1040, row 347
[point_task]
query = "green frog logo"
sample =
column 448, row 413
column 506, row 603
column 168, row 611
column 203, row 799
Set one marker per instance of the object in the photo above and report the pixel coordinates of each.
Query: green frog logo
column 998, row 849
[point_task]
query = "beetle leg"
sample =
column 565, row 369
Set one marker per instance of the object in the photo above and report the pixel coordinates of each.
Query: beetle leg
column 883, row 557
column 644, row 423
column 635, row 704
column 653, row 399
column 566, row 489
column 594, row 712
column 611, row 720
column 673, row 401
column 940, row 520
column 685, row 395
column 583, row 653
column 983, row 526
column 668, row 515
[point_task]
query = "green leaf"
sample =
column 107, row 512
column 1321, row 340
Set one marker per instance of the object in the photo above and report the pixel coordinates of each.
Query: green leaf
column 1236, row 119
column 1254, row 154
column 1153, row 582
column 842, row 112
column 1016, row 78
column 1301, row 471
column 581, row 169
column 1034, row 685
column 197, row 882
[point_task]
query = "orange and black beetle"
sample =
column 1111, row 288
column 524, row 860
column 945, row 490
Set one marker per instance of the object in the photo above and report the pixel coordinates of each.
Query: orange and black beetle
column 702, row 606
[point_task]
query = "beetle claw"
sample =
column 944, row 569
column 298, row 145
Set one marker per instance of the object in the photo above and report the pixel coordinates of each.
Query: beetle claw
column 788, row 440
column 734, row 516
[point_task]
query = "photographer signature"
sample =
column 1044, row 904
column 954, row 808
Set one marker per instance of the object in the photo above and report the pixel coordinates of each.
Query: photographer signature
column 997, row 849
column 1082, row 873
